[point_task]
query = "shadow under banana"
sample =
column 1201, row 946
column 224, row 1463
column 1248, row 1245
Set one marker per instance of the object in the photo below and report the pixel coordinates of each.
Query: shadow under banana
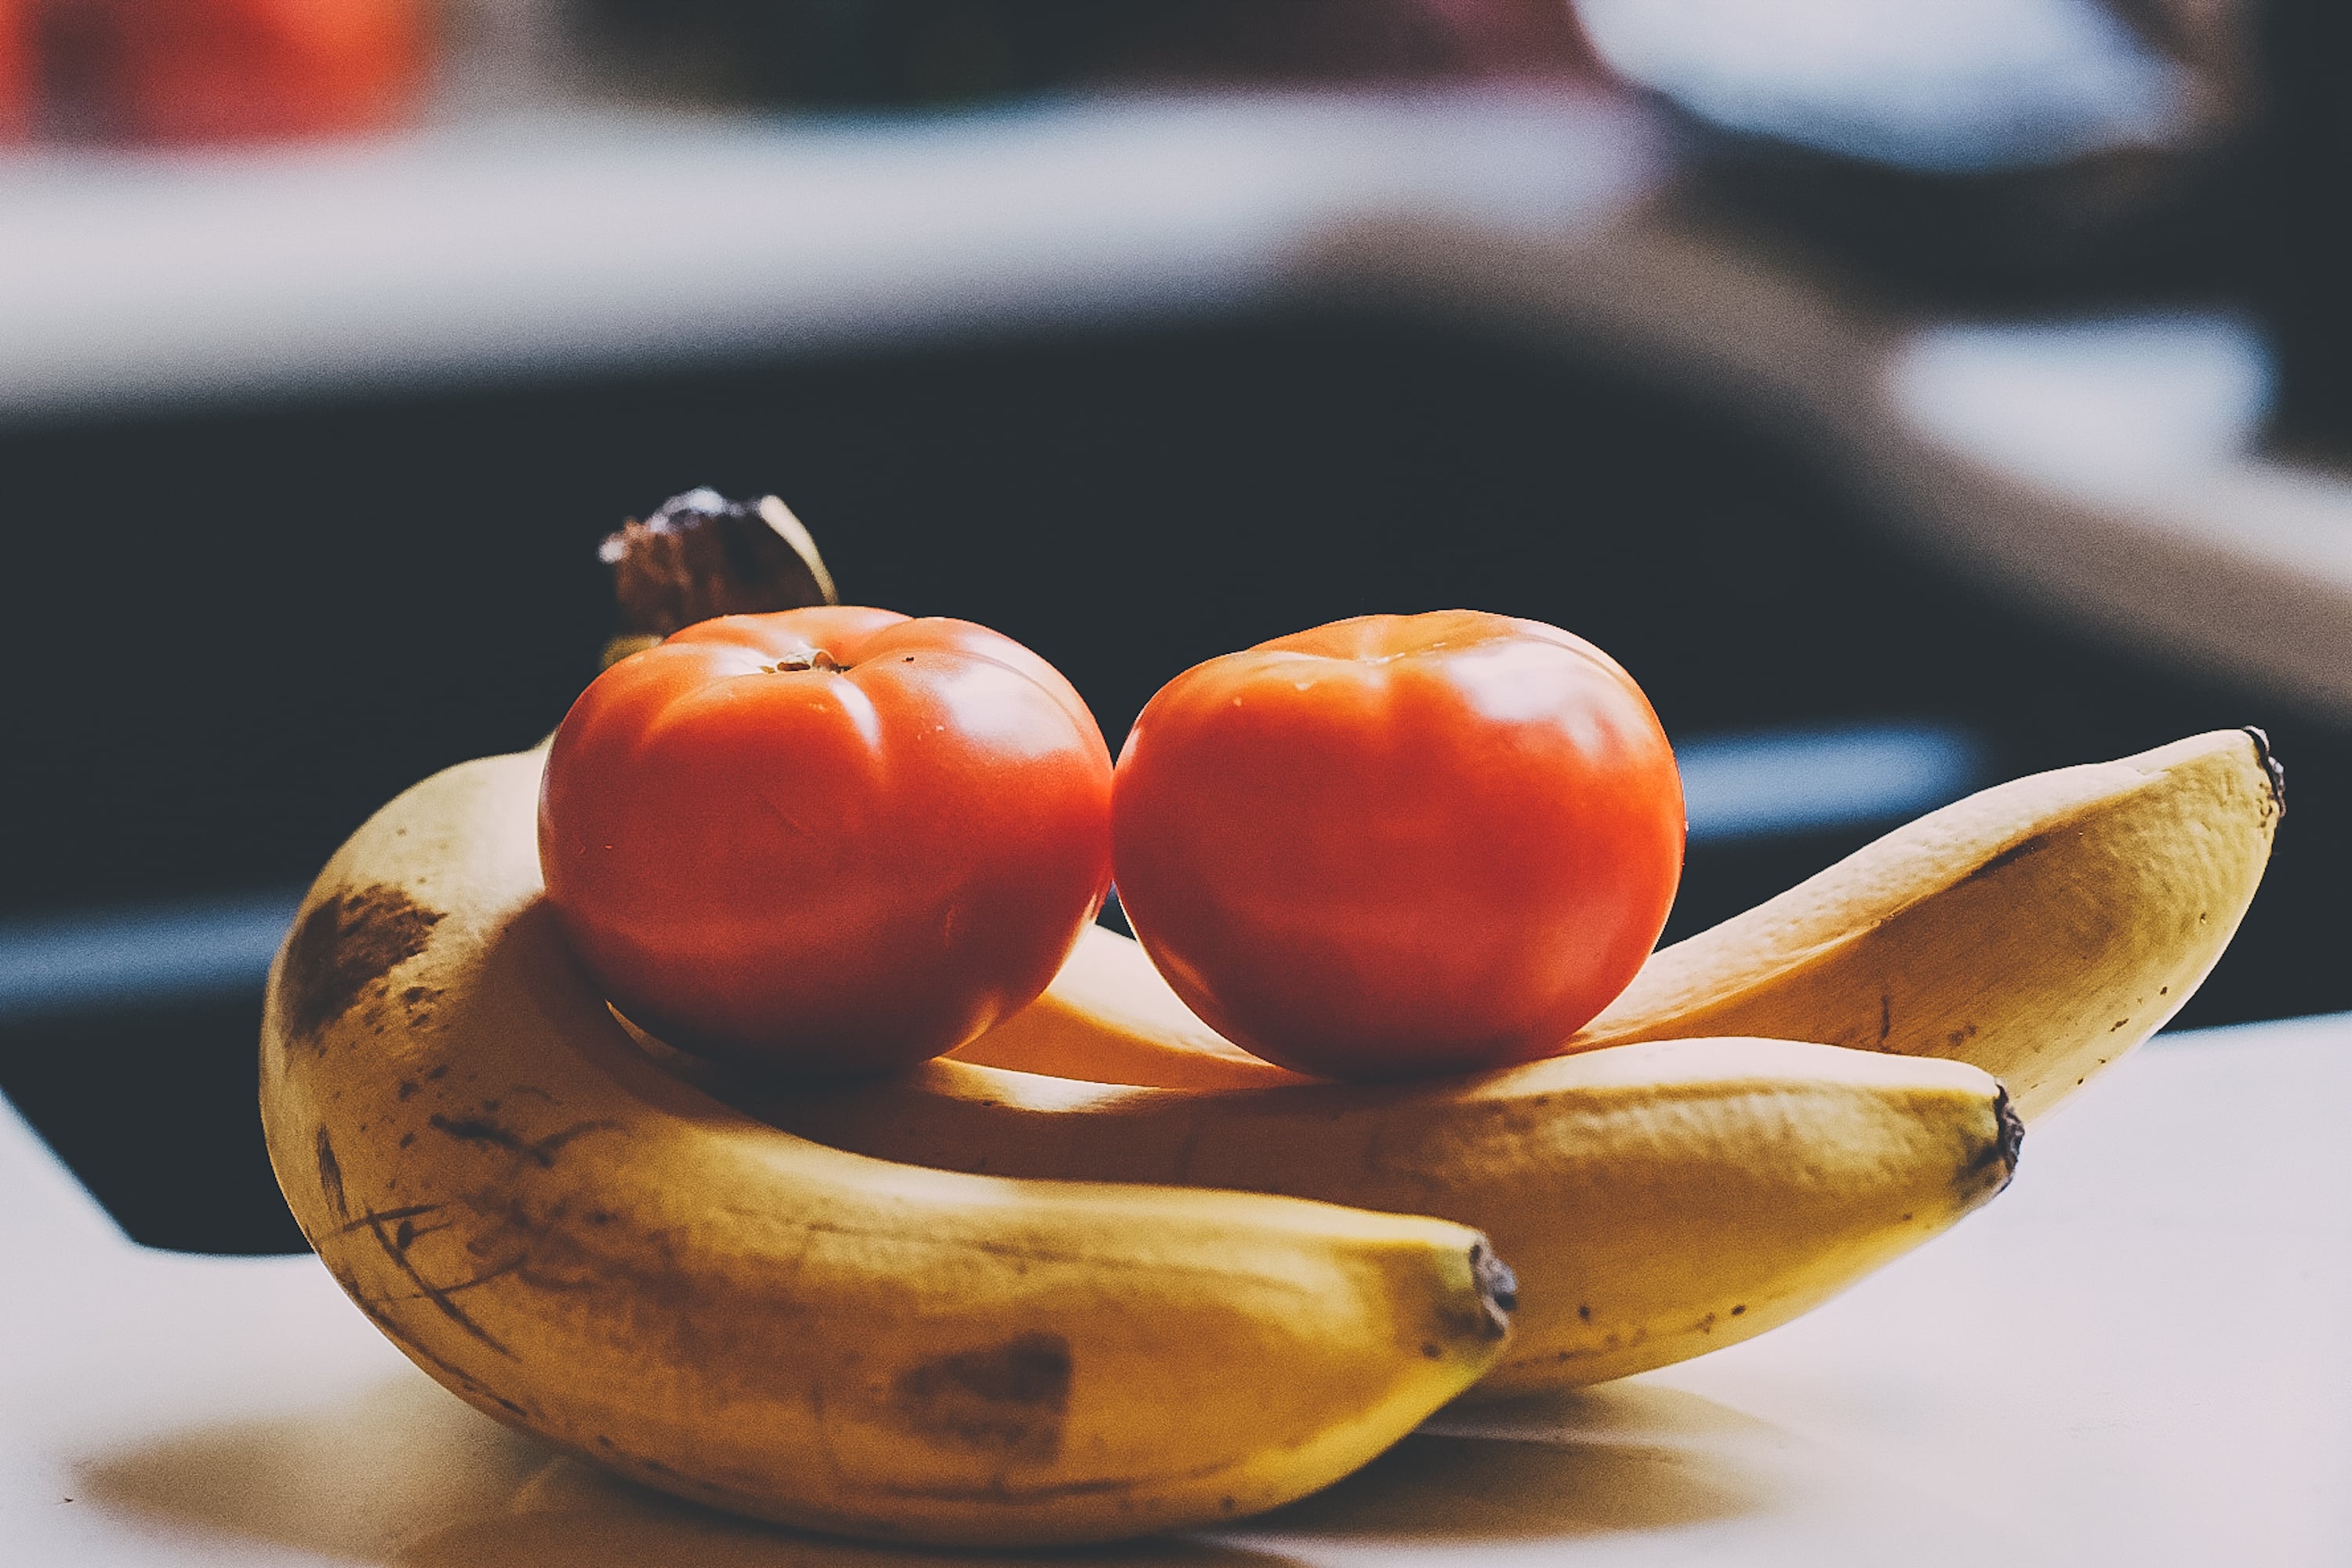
column 406, row 1475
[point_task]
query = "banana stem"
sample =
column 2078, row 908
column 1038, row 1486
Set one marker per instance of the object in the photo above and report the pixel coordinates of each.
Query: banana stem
column 702, row 555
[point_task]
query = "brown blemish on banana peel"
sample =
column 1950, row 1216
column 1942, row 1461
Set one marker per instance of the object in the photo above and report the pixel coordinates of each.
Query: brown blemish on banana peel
column 330, row 1176
column 342, row 952
column 1008, row 1399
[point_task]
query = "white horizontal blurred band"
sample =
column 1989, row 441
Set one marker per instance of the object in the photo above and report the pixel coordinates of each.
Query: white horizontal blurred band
column 531, row 247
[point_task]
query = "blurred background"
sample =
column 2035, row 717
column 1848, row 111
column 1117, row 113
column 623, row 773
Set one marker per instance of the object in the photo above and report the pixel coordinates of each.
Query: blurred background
column 1912, row 396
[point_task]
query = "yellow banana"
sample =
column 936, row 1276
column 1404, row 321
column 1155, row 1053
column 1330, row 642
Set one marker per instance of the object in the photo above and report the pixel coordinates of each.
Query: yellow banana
column 582, row 1245
column 1656, row 1201
column 2039, row 930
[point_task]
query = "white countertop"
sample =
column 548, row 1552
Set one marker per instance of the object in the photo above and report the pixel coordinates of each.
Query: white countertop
column 2137, row 1355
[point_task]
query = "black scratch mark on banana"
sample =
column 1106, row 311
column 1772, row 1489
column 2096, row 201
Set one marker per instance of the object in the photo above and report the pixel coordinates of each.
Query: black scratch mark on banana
column 426, row 1290
column 330, row 1176
column 541, row 1152
column 409, row 1212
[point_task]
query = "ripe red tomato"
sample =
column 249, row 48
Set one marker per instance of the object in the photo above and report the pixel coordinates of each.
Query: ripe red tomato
column 833, row 840
column 1399, row 843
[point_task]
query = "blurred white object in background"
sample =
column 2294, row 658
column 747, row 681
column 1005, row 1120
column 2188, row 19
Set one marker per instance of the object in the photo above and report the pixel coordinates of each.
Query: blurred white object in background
column 1945, row 85
column 2128, row 401
column 2111, row 470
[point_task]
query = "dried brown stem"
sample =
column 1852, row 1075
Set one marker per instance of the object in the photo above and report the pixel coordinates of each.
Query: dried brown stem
column 703, row 556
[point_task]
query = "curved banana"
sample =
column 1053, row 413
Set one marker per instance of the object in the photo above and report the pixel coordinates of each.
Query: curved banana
column 1657, row 1201
column 2039, row 930
column 582, row 1245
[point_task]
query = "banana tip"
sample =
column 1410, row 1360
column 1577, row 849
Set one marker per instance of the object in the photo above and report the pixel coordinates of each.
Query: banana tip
column 1498, row 1287
column 2010, row 1137
column 2271, row 769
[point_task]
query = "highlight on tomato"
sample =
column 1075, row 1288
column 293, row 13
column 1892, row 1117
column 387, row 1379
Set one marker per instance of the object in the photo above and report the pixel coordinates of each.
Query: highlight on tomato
column 1400, row 844
column 829, row 840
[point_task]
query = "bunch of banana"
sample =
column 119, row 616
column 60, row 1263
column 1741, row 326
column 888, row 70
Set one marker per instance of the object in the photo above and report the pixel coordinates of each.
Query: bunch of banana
column 579, row 1242
column 1067, row 1285
column 570, row 1228
column 2038, row 929
column 1661, row 1199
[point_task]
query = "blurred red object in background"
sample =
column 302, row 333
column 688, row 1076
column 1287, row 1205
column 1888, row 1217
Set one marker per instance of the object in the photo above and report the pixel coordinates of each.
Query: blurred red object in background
column 238, row 71
column 16, row 71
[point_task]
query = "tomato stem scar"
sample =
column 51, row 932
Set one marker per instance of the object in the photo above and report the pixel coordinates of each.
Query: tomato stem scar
column 792, row 663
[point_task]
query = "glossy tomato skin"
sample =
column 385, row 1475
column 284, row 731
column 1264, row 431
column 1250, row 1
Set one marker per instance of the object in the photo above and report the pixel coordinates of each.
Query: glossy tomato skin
column 1400, row 844
column 830, row 840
